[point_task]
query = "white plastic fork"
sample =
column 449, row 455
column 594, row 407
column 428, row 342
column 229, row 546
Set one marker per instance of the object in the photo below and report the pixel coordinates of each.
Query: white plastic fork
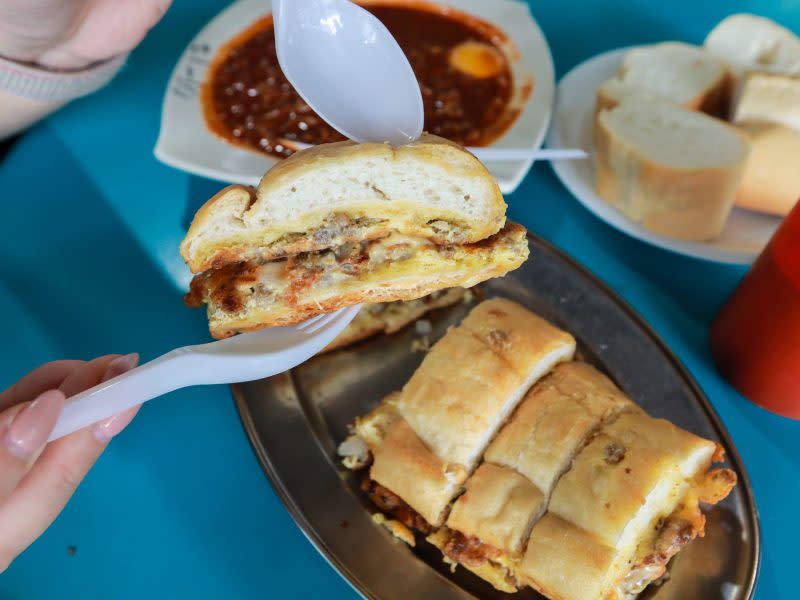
column 244, row 357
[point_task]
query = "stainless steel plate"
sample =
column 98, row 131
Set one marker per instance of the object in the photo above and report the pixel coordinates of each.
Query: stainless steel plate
column 295, row 421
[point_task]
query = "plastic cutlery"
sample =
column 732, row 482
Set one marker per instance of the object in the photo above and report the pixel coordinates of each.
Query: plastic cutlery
column 244, row 357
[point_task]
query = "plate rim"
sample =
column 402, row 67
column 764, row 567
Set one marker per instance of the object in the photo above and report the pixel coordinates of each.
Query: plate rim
column 542, row 65
column 562, row 170
column 732, row 452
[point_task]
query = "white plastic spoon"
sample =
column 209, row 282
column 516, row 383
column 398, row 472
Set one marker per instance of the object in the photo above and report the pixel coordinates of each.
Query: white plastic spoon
column 347, row 66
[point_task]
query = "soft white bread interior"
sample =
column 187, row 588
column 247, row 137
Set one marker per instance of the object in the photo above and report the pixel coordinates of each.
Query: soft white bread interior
column 771, row 180
column 749, row 42
column 333, row 194
column 768, row 98
column 253, row 295
column 673, row 170
column 682, row 73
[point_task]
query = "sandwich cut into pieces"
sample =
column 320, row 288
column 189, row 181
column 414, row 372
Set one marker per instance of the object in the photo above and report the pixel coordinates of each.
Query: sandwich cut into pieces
column 426, row 439
column 345, row 223
column 490, row 523
column 629, row 502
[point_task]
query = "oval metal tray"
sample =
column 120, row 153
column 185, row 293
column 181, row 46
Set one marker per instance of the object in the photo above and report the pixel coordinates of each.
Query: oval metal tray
column 295, row 421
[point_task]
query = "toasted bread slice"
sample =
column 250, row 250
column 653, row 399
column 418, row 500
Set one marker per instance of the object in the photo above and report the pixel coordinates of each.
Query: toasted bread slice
column 345, row 192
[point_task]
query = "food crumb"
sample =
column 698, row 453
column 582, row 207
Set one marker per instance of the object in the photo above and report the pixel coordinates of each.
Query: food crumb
column 344, row 524
column 422, row 344
column 71, row 550
column 423, row 327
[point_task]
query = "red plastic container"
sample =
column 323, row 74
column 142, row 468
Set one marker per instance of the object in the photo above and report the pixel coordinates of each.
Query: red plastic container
column 755, row 338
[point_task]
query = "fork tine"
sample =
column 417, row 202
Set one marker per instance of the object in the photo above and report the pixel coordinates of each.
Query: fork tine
column 319, row 322
column 305, row 324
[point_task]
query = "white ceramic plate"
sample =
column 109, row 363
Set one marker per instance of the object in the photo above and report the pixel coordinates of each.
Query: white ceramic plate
column 186, row 143
column 746, row 232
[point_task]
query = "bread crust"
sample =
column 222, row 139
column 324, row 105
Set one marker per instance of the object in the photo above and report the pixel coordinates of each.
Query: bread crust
column 771, row 179
column 498, row 507
column 554, row 419
column 405, row 465
column 251, row 232
column 688, row 204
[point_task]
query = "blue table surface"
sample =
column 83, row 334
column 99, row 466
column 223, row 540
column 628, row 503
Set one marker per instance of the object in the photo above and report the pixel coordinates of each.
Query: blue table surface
column 178, row 506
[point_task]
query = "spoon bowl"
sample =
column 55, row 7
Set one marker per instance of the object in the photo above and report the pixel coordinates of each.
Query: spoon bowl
column 347, row 66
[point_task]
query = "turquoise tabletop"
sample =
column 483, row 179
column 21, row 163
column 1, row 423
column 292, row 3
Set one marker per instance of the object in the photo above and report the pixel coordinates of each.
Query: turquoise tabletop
column 178, row 507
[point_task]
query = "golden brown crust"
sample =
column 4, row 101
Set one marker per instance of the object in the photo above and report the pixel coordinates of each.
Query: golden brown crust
column 408, row 468
column 514, row 333
column 247, row 237
column 633, row 470
column 497, row 507
column 467, row 401
column 553, row 421
column 564, row 562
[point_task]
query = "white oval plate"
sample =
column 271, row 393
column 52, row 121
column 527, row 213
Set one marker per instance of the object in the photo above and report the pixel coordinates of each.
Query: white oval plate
column 746, row 232
column 186, row 143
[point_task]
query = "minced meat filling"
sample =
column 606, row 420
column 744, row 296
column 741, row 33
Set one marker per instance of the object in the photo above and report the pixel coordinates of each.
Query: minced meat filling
column 393, row 505
column 674, row 535
column 469, row 551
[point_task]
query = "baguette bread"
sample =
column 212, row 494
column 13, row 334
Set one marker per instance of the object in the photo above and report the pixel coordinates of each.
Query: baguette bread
column 751, row 43
column 768, row 98
column 345, row 192
column 673, row 170
column 771, row 179
column 682, row 73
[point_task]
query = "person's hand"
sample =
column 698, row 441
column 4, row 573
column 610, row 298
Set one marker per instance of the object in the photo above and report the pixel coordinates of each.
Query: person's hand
column 36, row 478
column 71, row 34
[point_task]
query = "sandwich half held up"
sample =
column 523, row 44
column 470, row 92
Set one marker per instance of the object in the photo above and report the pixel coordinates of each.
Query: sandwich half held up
column 345, row 223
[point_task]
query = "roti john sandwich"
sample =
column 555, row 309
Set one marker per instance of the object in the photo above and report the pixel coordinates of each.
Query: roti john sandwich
column 346, row 223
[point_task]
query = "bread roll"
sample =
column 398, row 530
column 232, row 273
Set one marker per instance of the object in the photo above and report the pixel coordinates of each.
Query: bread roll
column 751, row 43
column 673, row 170
column 768, row 98
column 771, row 180
column 672, row 71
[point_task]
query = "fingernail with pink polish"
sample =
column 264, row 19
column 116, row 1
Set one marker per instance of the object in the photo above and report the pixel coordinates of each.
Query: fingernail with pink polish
column 29, row 430
column 107, row 429
column 121, row 365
